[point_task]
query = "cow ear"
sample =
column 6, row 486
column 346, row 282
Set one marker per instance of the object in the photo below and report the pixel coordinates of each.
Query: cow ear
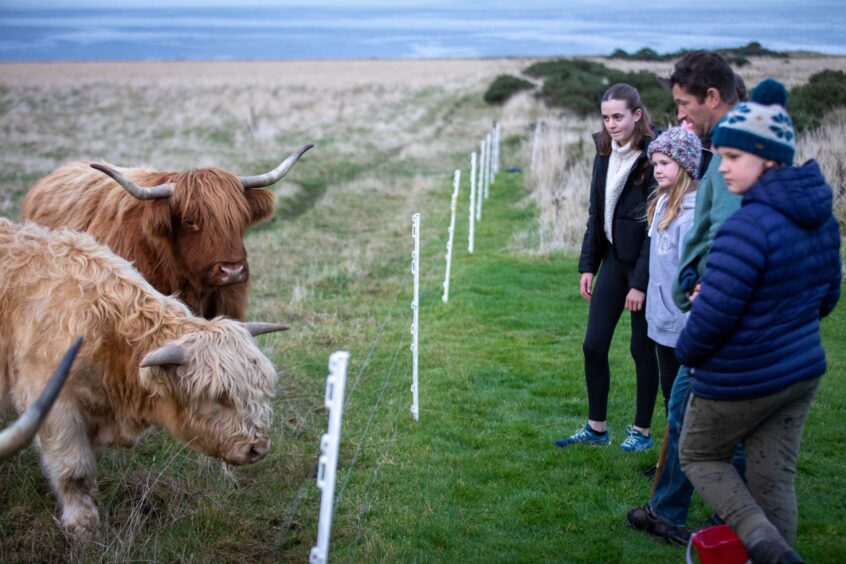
column 260, row 203
column 158, row 365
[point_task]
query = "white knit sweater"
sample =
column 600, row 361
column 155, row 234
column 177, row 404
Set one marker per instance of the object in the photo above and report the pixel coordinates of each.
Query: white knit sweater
column 619, row 166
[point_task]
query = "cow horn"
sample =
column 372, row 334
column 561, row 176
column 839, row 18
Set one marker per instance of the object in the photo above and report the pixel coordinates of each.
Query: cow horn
column 276, row 174
column 19, row 433
column 152, row 193
column 166, row 355
column 257, row 328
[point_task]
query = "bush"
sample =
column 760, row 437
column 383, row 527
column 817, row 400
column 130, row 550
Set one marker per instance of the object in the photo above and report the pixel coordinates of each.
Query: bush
column 737, row 56
column 578, row 86
column 504, row 87
column 824, row 92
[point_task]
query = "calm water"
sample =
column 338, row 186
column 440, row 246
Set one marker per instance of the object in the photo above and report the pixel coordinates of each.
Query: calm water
column 413, row 31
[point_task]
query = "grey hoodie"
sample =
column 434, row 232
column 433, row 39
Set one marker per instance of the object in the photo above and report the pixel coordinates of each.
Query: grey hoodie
column 665, row 320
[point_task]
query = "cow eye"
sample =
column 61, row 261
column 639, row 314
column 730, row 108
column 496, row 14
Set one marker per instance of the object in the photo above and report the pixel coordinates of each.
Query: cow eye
column 224, row 401
column 191, row 225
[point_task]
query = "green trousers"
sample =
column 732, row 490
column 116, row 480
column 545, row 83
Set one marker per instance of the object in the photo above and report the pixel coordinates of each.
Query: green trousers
column 764, row 507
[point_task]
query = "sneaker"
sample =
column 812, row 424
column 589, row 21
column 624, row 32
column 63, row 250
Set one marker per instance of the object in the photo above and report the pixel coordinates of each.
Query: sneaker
column 643, row 519
column 636, row 441
column 586, row 437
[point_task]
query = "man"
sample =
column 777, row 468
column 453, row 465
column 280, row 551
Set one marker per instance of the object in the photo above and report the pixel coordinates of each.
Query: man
column 705, row 89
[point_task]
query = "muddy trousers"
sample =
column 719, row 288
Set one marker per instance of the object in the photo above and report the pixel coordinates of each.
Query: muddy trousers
column 764, row 508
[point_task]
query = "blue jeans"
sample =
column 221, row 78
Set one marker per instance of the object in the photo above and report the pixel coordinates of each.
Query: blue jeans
column 671, row 500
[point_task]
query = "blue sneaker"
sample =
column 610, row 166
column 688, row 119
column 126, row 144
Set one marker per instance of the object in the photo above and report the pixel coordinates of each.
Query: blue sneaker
column 586, row 437
column 636, row 441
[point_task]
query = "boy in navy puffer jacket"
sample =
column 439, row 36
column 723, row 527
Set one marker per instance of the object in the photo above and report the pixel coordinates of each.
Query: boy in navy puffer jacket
column 753, row 336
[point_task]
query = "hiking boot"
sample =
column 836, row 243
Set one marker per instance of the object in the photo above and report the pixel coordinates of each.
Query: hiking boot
column 585, row 436
column 636, row 441
column 643, row 519
column 650, row 472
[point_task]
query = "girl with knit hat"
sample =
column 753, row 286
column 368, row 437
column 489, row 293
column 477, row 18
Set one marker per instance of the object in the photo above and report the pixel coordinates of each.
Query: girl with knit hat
column 675, row 156
column 753, row 336
column 616, row 247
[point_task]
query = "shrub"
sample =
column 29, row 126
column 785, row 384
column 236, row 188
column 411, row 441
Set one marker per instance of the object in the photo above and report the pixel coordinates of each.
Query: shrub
column 578, row 86
column 504, row 87
column 737, row 56
column 824, row 92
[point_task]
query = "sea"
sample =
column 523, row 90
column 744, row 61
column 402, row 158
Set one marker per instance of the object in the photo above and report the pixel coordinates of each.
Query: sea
column 406, row 29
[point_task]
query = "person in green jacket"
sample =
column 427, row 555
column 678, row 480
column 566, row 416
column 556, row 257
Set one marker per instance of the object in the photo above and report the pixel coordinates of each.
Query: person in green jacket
column 702, row 105
column 705, row 89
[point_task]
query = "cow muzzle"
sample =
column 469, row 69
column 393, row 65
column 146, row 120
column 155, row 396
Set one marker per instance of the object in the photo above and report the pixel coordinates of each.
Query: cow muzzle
column 249, row 453
column 228, row 273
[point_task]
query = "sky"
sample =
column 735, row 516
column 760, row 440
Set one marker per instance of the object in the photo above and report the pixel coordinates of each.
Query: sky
column 285, row 29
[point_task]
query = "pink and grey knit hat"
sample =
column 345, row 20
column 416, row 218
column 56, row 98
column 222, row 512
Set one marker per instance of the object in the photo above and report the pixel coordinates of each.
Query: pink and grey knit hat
column 682, row 146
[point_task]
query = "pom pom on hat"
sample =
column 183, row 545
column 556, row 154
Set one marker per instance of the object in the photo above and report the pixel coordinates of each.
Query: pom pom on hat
column 681, row 145
column 760, row 126
column 770, row 92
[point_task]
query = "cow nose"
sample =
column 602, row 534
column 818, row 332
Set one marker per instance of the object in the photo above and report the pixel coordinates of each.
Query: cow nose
column 232, row 273
column 258, row 451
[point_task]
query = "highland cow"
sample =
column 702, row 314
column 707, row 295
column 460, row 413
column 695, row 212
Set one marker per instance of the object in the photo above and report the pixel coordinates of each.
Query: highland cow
column 146, row 361
column 184, row 231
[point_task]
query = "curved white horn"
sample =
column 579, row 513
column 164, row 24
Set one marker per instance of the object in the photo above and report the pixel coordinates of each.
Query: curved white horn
column 166, row 355
column 152, row 193
column 20, row 433
column 257, row 328
column 275, row 175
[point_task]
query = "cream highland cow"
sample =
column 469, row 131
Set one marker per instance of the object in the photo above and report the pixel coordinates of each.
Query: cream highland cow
column 146, row 361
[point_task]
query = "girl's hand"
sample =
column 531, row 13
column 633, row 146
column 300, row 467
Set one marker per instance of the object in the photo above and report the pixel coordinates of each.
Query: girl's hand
column 635, row 299
column 586, row 285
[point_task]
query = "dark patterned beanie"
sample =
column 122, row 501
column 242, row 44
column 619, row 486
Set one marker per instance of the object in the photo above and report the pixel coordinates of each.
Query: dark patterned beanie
column 760, row 126
column 682, row 146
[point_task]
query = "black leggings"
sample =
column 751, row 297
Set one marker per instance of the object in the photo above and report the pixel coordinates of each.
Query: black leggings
column 610, row 288
column 668, row 367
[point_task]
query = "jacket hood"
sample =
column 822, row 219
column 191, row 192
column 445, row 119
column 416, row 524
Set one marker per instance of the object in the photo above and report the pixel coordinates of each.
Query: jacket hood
column 798, row 192
column 689, row 201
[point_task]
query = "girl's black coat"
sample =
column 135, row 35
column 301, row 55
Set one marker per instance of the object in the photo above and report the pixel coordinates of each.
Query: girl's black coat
column 631, row 243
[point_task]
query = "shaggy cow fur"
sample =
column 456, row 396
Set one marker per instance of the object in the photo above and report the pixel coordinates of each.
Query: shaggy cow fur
column 181, row 244
column 55, row 285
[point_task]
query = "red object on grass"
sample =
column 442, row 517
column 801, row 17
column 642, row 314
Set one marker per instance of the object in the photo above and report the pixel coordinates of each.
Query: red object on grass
column 717, row 545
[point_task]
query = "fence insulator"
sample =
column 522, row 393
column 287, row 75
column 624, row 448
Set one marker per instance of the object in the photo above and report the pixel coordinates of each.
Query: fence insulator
column 329, row 442
column 472, row 202
column 415, row 324
column 456, row 179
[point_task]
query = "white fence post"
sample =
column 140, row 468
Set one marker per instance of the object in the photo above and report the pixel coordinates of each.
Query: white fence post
column 535, row 143
column 415, row 308
column 456, row 179
column 328, row 465
column 472, row 202
column 497, row 132
column 482, row 156
column 488, row 164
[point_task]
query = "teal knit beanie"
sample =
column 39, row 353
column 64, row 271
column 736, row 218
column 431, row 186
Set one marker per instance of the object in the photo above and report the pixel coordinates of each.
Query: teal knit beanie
column 760, row 126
